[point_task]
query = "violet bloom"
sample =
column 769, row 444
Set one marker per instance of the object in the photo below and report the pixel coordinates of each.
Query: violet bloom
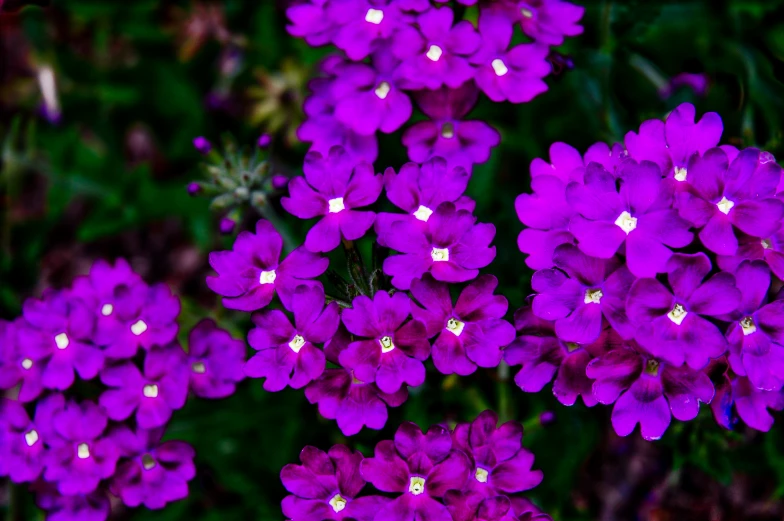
column 62, row 327
column 543, row 355
column 215, row 360
column 638, row 215
column 341, row 396
column 548, row 21
column 580, row 292
column 725, row 198
column 770, row 250
column 653, row 391
column 251, row 273
column 326, row 485
column 153, row 395
column 21, row 362
column 363, row 24
column 437, row 53
column 333, row 188
column 452, row 247
column 698, row 83
column 461, row 143
column 82, row 455
column 152, row 473
column 498, row 508
column 757, row 332
column 392, row 349
column 508, row 74
column 419, row 468
column 287, row 355
column 309, row 21
column 751, row 404
column 202, row 145
column 472, row 332
column 81, row 507
column 671, row 324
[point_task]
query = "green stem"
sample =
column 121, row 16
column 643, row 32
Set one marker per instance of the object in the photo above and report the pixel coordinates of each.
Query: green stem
column 505, row 408
column 341, row 303
column 356, row 268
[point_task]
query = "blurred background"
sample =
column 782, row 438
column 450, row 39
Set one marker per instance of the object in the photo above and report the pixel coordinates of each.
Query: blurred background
column 100, row 101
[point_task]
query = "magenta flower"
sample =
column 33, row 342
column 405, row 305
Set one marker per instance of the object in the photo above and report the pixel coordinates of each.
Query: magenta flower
column 548, row 21
column 94, row 506
column 22, row 362
column 22, row 441
column 287, row 354
column 638, row 215
column 326, row 485
column 392, row 349
column 751, row 404
column 451, row 247
column 251, row 273
column 770, row 250
column 309, row 20
column 647, row 391
column 153, row 395
column 363, row 24
column 472, row 332
column 215, row 360
column 671, row 324
column 334, row 187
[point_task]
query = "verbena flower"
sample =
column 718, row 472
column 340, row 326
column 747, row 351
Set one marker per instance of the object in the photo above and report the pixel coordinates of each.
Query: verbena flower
column 548, row 21
column 363, row 24
column 215, row 360
column 21, row 363
column 751, row 404
column 770, row 250
column 22, row 441
column 94, row 506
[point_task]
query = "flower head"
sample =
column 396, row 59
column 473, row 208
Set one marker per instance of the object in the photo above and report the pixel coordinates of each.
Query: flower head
column 751, row 404
column 215, row 360
column 23, row 441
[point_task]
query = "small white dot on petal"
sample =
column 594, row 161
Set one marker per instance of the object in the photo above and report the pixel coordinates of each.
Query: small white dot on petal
column 139, row 327
column 766, row 244
column 148, row 462
column 747, row 325
column 296, row 343
column 374, row 16
column 83, row 451
column 199, row 368
column 527, row 13
column 440, row 254
column 31, row 437
column 499, row 67
column 150, row 391
column 336, row 205
column 481, row 475
column 107, row 309
column 626, row 222
column 382, row 90
column 434, row 53
column 386, row 344
column 725, row 205
column 416, row 485
column 27, row 363
column 681, row 173
column 337, row 503
column 593, row 296
column 455, row 326
column 267, row 277
column 61, row 341
column 677, row 314
column 423, row 213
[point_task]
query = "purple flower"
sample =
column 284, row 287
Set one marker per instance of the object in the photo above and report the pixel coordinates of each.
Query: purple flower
column 771, row 250
column 436, row 54
column 215, row 360
column 353, row 403
column 698, row 83
column 451, row 247
column 391, row 350
column 22, row 441
column 671, row 324
column 334, row 187
column 287, row 354
column 94, row 506
column 151, row 473
column 21, row 362
column 461, row 143
column 264, row 141
column 194, row 188
column 725, row 198
column 153, row 395
column 81, row 456
column 751, row 404
column 251, row 273
column 421, row 468
column 638, row 215
column 508, row 74
column 202, row 145
column 548, row 21
column 309, row 20
column 325, row 487
column 472, row 332
column 543, row 355
column 227, row 225
column 363, row 24
column 580, row 292
column 647, row 391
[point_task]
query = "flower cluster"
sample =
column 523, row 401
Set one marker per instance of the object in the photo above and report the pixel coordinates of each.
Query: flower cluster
column 476, row 472
column 395, row 47
column 657, row 265
column 80, row 445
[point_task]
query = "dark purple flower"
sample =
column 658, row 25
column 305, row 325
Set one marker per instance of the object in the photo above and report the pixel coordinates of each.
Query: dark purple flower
column 580, row 292
column 82, row 455
column 153, row 395
column 391, row 350
column 652, row 391
column 287, row 355
column 250, row 274
column 548, row 21
column 264, row 141
column 202, row 145
column 152, row 473
column 421, row 468
column 94, row 506
column 671, row 324
column 472, row 332
column 227, row 225
column 194, row 188
column 215, row 360
column 637, row 215
column 309, row 20
column 698, row 83
column 21, row 362
column 333, row 188
column 751, row 404
column 362, row 24
column 325, row 487
column 22, row 441
column 771, row 250
column 435, row 53
column 451, row 247
column 723, row 198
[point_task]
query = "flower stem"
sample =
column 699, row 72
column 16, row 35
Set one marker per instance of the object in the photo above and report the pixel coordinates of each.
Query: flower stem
column 356, row 268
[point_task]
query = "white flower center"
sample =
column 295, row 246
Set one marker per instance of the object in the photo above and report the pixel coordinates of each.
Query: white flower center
column 61, row 341
column 440, row 254
column 423, row 213
column 593, row 296
column 83, row 451
column 296, row 343
column 139, row 327
column 374, row 16
column 447, row 131
column 680, row 173
column 386, row 344
column 267, row 277
column 150, row 391
column 416, row 485
column 336, row 205
column 499, row 67
column 31, row 437
column 434, row 53
column 747, row 325
column 481, row 475
column 107, row 310
column 455, row 326
column 725, row 205
column 626, row 222
column 382, row 90
column 337, row 503
column 766, row 244
column 677, row 314
column 199, row 367
column 527, row 12
column 148, row 462
column 27, row 363
column 652, row 367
